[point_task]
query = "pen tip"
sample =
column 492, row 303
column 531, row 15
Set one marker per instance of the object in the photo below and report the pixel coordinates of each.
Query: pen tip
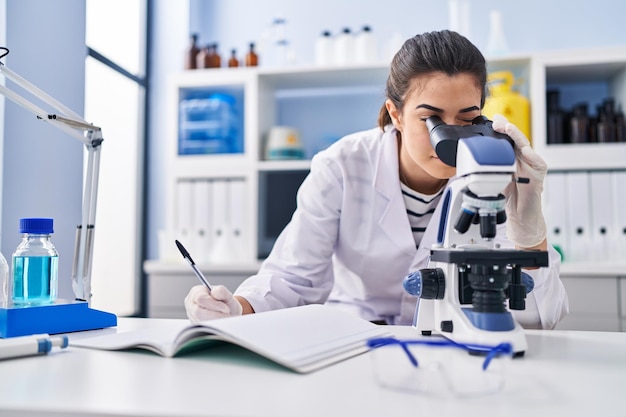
column 183, row 251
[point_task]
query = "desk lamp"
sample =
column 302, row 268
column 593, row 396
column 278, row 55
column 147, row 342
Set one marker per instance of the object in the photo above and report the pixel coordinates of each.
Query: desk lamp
column 62, row 316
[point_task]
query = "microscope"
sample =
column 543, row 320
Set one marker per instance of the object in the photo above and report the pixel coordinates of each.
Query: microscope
column 463, row 291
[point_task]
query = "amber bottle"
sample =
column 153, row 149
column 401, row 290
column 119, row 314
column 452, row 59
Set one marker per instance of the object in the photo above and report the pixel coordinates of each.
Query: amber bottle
column 233, row 61
column 192, row 52
column 252, row 59
column 216, row 59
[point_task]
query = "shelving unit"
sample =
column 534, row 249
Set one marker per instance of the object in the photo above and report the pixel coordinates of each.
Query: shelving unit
column 324, row 104
column 606, row 70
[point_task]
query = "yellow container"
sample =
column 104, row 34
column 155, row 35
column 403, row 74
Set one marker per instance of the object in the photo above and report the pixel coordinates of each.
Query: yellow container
column 503, row 100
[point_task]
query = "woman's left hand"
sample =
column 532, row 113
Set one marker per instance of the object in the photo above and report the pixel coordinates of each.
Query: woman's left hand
column 526, row 226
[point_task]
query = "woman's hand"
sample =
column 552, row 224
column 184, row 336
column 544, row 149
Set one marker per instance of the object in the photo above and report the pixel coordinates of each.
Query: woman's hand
column 526, row 226
column 202, row 305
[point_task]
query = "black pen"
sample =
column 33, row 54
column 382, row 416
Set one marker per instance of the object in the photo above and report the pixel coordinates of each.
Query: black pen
column 186, row 255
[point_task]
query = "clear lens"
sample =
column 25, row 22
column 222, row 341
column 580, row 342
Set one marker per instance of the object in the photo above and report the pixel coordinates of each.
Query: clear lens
column 442, row 370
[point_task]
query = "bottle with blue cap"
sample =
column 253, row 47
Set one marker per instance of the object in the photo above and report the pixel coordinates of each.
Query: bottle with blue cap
column 35, row 264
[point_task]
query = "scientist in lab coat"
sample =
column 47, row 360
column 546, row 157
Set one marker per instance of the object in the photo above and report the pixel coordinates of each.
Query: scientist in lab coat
column 367, row 214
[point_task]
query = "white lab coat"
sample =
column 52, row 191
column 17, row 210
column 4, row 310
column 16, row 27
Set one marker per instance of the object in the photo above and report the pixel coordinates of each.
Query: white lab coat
column 349, row 242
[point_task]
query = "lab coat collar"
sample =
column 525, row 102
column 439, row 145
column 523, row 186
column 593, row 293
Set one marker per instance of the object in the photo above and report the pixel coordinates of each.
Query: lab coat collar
column 394, row 219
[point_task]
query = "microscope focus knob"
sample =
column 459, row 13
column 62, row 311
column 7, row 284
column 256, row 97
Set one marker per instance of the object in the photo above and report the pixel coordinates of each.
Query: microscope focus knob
column 429, row 284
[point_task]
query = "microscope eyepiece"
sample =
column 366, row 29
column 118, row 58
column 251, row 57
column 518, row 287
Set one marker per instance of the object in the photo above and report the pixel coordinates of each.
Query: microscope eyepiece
column 444, row 138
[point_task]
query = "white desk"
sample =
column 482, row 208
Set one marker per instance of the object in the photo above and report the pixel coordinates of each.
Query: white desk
column 564, row 373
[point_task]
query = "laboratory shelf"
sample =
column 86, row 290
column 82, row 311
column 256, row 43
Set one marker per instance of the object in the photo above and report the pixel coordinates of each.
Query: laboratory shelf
column 310, row 99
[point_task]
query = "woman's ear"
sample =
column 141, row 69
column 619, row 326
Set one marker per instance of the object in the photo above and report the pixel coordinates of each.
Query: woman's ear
column 394, row 114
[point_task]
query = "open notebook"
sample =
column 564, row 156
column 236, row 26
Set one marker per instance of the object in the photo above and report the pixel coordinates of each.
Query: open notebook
column 302, row 338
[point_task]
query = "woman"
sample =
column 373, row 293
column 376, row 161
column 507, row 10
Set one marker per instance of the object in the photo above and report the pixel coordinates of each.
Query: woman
column 364, row 218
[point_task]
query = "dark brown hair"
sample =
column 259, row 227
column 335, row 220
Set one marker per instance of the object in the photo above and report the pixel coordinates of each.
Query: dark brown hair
column 443, row 51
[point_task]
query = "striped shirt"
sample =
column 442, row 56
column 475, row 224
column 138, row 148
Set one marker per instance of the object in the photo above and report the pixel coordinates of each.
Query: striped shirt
column 420, row 208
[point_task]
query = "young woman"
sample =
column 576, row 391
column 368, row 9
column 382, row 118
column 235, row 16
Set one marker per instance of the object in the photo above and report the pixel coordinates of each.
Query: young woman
column 367, row 214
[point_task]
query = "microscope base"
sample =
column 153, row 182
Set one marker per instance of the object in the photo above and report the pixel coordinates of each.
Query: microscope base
column 455, row 324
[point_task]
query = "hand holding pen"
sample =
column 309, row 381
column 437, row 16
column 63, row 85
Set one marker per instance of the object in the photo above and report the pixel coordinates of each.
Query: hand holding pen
column 206, row 302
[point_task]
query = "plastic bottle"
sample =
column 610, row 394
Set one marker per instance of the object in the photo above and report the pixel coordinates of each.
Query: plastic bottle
column 324, row 54
column 280, row 42
column 35, row 264
column 233, row 62
column 252, row 59
column 503, row 100
column 192, row 52
column 393, row 45
column 497, row 44
column 5, row 283
column 344, row 48
column 366, row 49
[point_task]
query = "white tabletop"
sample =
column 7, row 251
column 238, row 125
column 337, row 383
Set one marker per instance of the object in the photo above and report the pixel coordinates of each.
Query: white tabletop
column 563, row 373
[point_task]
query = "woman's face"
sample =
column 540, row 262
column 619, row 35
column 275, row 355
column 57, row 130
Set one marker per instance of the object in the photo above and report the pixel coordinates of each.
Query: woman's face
column 455, row 99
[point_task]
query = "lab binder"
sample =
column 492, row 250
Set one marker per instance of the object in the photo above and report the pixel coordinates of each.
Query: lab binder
column 184, row 213
column 618, row 184
column 602, row 236
column 555, row 210
column 221, row 250
column 578, row 215
column 201, row 224
column 237, row 209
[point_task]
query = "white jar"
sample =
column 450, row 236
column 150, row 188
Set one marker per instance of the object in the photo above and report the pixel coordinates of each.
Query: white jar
column 366, row 49
column 324, row 52
column 344, row 48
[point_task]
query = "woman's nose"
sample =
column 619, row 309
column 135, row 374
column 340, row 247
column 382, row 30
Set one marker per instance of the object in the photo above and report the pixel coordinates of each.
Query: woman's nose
column 449, row 120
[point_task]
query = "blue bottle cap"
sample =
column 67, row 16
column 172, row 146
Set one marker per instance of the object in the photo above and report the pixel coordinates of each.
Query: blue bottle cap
column 37, row 226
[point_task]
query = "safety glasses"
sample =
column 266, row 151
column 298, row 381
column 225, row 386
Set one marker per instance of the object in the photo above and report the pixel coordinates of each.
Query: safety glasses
column 458, row 370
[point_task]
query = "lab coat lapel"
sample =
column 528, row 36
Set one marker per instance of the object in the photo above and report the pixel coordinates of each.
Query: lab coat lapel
column 393, row 217
column 430, row 235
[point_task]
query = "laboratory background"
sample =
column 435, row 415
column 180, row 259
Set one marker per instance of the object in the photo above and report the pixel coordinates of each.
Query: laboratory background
column 125, row 66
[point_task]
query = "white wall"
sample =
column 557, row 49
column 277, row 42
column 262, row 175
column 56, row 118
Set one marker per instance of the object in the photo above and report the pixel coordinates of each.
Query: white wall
column 42, row 167
column 530, row 25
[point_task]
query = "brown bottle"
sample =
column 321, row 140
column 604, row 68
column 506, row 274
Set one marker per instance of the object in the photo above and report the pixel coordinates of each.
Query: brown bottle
column 252, row 60
column 233, row 62
column 216, row 59
column 192, row 52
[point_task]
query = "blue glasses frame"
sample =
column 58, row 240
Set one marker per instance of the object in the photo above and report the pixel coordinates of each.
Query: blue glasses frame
column 489, row 351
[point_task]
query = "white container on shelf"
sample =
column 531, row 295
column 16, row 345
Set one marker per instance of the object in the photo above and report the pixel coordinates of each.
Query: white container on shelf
column 324, row 49
column 344, row 47
column 366, row 48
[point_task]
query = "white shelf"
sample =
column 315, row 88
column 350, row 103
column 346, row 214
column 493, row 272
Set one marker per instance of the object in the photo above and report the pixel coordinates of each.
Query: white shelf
column 264, row 88
column 182, row 268
column 585, row 156
column 593, row 269
column 299, row 165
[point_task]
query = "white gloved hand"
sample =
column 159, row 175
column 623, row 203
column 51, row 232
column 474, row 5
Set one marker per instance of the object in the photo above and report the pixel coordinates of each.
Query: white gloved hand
column 201, row 304
column 526, row 226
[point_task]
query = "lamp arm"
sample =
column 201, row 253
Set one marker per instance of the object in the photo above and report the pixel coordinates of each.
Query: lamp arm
column 91, row 136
